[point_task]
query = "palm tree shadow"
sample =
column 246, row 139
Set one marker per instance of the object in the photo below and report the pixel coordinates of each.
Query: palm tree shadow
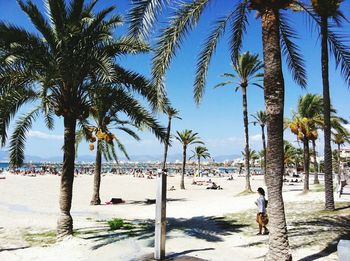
column 210, row 229
column 13, row 248
column 317, row 230
column 151, row 201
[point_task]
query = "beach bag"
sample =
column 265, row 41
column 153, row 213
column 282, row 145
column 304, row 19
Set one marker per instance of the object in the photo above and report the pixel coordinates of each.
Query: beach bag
column 262, row 219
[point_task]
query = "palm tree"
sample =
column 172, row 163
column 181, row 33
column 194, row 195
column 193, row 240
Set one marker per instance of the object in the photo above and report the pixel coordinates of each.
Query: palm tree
column 56, row 67
column 186, row 138
column 246, row 69
column 322, row 11
column 277, row 37
column 261, row 119
column 172, row 113
column 107, row 103
column 289, row 154
column 311, row 107
column 253, row 156
column 198, row 153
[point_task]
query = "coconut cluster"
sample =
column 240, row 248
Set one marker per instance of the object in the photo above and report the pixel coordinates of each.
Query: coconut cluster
column 302, row 128
column 94, row 134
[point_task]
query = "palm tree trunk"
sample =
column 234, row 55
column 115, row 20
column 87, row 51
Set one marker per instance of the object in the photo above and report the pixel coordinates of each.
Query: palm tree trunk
column 328, row 175
column 264, row 146
column 182, row 184
column 316, row 180
column 274, row 104
column 199, row 166
column 306, row 165
column 339, row 164
column 246, row 138
column 97, row 177
column 166, row 144
column 65, row 221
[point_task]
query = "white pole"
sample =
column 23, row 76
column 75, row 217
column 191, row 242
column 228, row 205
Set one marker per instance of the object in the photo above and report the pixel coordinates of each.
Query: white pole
column 160, row 226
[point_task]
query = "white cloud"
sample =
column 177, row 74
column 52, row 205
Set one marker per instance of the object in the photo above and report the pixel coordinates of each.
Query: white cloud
column 255, row 138
column 44, row 136
column 347, row 126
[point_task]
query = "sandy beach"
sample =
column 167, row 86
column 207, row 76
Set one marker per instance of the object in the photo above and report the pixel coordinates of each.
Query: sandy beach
column 30, row 204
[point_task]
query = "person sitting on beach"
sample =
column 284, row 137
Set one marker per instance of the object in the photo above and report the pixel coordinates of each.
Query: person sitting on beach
column 172, row 188
column 230, row 178
column 214, row 186
column 261, row 216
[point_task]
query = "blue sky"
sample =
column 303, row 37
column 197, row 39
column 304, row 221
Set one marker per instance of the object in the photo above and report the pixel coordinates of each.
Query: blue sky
column 218, row 119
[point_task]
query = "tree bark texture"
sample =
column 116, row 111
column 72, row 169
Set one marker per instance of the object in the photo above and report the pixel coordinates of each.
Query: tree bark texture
column 328, row 175
column 306, row 165
column 166, row 144
column 246, row 139
column 65, row 221
column 274, row 105
column 182, row 184
column 97, row 177
column 264, row 147
column 316, row 180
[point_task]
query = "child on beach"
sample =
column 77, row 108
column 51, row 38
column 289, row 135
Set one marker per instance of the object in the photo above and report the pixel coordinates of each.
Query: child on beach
column 261, row 216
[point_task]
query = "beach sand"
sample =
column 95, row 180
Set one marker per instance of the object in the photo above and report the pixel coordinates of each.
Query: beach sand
column 31, row 204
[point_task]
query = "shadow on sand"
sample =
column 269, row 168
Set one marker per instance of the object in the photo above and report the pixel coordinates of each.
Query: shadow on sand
column 210, row 229
column 13, row 248
column 318, row 230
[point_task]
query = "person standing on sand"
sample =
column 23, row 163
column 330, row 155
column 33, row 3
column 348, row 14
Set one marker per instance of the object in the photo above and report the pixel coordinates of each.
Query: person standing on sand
column 261, row 216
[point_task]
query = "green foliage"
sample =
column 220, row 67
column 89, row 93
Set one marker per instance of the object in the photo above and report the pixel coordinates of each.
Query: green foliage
column 40, row 239
column 187, row 137
column 115, row 223
column 72, row 53
column 118, row 223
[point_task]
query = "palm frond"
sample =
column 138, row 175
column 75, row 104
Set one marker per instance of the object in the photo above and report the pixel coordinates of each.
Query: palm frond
column 49, row 121
column 18, row 138
column 223, row 84
column 239, row 25
column 75, row 10
column 185, row 19
column 39, row 21
column 129, row 45
column 292, row 53
column 122, row 148
column 205, row 55
column 57, row 13
column 341, row 53
column 143, row 15
column 141, row 85
column 130, row 132
column 10, row 103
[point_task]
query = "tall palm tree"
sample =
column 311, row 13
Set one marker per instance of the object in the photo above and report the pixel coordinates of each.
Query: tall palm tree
column 261, row 119
column 277, row 38
column 73, row 50
column 198, row 153
column 172, row 113
column 107, row 102
column 327, row 16
column 311, row 107
column 247, row 69
column 186, row 138
column 306, row 121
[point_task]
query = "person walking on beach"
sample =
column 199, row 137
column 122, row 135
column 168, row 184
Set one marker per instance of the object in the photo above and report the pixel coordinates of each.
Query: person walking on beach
column 261, row 216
